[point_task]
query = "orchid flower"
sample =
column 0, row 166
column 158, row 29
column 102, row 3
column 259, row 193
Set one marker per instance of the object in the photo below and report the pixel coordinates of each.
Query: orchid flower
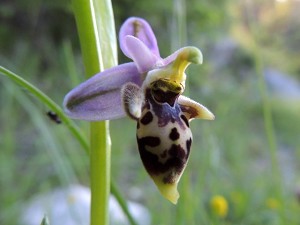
column 148, row 90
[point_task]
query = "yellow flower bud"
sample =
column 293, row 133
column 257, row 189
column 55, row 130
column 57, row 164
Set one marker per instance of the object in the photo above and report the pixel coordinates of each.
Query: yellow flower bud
column 272, row 203
column 219, row 206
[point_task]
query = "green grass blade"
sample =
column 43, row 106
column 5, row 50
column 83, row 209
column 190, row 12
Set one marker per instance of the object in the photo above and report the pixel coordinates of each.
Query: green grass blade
column 122, row 203
column 70, row 124
column 42, row 97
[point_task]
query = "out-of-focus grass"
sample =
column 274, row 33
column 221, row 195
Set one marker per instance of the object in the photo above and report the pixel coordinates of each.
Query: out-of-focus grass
column 38, row 158
column 36, row 153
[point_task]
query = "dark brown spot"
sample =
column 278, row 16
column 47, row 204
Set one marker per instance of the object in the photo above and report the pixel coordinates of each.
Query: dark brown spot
column 165, row 91
column 177, row 151
column 169, row 179
column 174, row 163
column 149, row 141
column 136, row 28
column 138, row 125
column 183, row 117
column 147, row 118
column 188, row 146
column 164, row 154
column 165, row 96
column 191, row 111
column 174, row 135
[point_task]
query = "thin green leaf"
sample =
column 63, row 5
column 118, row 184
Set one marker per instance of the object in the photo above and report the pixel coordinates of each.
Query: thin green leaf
column 49, row 103
column 70, row 124
column 122, row 203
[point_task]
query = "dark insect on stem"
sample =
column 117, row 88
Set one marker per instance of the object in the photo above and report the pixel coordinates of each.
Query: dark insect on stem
column 54, row 117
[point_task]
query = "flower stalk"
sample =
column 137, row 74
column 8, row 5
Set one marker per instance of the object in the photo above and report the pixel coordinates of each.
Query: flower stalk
column 95, row 24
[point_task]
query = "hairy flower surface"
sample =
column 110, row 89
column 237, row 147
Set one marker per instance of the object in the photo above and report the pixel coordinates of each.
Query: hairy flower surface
column 148, row 90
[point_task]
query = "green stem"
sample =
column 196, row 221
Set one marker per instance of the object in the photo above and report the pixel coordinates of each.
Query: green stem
column 95, row 26
column 100, row 172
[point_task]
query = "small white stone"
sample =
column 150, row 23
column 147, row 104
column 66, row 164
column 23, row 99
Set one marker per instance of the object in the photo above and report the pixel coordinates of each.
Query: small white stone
column 71, row 206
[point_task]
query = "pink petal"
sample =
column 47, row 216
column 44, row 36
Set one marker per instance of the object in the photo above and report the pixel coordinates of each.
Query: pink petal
column 99, row 97
column 140, row 29
column 144, row 59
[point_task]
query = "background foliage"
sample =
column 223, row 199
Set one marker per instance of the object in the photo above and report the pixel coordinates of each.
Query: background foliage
column 252, row 163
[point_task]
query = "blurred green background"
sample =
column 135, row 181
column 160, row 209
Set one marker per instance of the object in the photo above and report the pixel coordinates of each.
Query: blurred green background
column 250, row 80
